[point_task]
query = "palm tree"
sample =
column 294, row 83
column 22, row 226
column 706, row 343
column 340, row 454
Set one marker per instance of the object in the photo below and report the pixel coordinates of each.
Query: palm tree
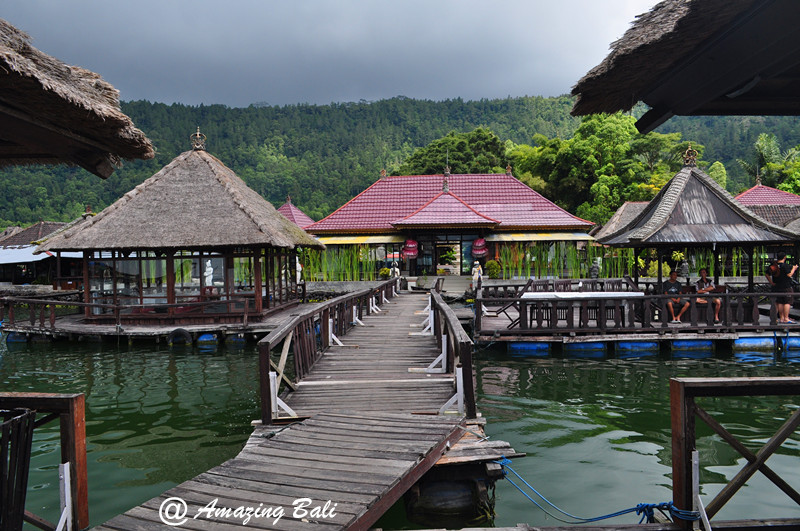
column 769, row 160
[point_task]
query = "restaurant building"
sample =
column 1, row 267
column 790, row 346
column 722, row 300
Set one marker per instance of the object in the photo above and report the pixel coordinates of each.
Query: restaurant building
column 443, row 223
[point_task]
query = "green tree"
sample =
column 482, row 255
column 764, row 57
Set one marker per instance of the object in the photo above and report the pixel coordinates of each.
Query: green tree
column 769, row 164
column 717, row 172
column 479, row 151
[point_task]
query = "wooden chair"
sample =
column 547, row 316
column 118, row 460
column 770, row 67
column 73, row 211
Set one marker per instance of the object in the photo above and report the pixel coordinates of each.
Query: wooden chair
column 562, row 285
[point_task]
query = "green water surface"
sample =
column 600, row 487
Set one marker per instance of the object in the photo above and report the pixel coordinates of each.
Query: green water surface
column 596, row 430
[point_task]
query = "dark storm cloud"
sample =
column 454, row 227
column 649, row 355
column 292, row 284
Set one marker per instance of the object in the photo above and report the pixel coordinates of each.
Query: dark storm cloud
column 240, row 52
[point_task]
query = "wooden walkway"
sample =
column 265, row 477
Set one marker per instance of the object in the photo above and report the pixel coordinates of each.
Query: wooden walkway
column 352, row 467
column 371, row 433
column 370, row 373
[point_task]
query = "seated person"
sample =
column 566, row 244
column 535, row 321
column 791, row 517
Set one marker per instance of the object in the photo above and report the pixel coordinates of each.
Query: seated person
column 673, row 287
column 706, row 285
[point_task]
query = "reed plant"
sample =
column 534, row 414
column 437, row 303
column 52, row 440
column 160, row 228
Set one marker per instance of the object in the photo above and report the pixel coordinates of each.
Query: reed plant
column 505, row 261
column 573, row 262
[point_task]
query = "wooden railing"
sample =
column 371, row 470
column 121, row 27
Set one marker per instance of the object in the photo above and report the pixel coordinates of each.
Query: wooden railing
column 597, row 313
column 459, row 348
column 16, row 438
column 685, row 468
column 309, row 334
column 40, row 313
column 69, row 410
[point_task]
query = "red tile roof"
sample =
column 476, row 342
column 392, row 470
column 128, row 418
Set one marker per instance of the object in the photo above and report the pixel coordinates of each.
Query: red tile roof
column 295, row 215
column 765, row 195
column 499, row 197
column 445, row 209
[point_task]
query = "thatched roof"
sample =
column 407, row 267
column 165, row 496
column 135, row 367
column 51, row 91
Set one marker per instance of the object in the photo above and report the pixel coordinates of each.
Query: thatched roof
column 692, row 209
column 700, row 57
column 32, row 234
column 195, row 202
column 54, row 113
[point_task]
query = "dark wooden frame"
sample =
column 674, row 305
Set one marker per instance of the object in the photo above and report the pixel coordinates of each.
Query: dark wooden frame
column 70, row 410
column 683, row 392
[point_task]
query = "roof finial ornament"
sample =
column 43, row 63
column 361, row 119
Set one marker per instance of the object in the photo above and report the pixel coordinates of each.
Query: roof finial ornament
column 445, row 184
column 758, row 179
column 508, row 169
column 198, row 140
column 288, row 198
column 383, row 173
column 690, row 157
column 447, row 171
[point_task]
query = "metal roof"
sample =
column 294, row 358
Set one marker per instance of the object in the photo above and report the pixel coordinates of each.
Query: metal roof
column 694, row 210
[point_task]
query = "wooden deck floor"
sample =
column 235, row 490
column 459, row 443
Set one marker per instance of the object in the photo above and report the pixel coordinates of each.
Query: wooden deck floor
column 371, row 371
column 354, row 466
column 370, row 435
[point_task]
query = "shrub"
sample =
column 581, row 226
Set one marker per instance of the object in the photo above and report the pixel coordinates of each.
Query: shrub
column 652, row 269
column 385, row 273
column 493, row 269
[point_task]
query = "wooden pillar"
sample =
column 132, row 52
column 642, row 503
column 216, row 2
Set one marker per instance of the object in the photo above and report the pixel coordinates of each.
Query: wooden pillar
column 86, row 285
column 57, row 280
column 268, row 277
column 682, row 416
column 229, row 274
column 660, row 284
column 750, row 284
column 171, row 281
column 73, row 450
column 257, row 254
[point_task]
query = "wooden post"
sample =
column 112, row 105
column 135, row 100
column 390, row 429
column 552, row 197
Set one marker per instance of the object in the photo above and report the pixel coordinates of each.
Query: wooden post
column 683, row 443
column 171, row 299
column 465, row 353
column 257, row 285
column 73, row 451
column 263, row 380
column 86, row 285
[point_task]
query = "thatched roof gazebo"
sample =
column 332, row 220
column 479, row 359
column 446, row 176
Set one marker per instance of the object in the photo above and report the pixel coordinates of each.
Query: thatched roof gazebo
column 700, row 57
column 53, row 113
column 693, row 210
column 191, row 235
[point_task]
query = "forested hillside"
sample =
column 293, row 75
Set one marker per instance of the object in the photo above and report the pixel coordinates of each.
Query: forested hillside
column 322, row 155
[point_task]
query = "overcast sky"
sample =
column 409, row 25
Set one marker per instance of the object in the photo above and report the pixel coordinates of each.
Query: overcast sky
column 238, row 52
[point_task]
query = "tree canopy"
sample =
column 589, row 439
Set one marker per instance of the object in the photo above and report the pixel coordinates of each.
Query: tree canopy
column 323, row 155
column 479, row 151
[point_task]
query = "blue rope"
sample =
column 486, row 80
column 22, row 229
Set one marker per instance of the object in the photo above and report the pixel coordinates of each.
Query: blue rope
column 646, row 510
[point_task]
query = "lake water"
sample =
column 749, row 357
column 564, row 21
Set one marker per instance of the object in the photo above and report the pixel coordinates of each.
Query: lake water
column 596, row 431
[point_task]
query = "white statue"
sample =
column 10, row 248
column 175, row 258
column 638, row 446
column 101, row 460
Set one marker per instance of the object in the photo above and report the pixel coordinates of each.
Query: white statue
column 209, row 274
column 395, row 270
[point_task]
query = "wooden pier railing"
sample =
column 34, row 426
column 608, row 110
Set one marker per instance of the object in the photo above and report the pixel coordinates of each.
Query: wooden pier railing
column 537, row 309
column 683, row 392
column 448, row 329
column 40, row 314
column 69, row 410
column 309, row 333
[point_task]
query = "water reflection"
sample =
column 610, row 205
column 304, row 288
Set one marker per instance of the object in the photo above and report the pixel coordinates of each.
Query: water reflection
column 596, row 430
column 154, row 416
column 598, row 437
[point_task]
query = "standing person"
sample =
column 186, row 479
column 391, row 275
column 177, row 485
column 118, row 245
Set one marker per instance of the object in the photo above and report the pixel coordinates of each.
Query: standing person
column 477, row 274
column 673, row 287
column 706, row 285
column 780, row 276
